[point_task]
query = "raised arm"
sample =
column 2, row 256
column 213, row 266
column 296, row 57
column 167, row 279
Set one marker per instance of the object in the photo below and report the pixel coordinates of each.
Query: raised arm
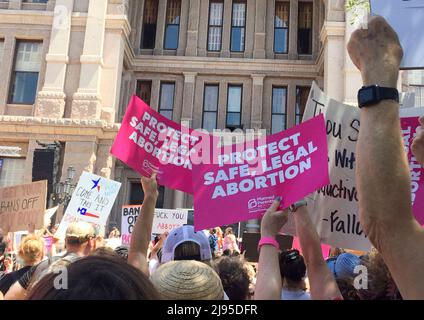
column 418, row 144
column 137, row 255
column 322, row 283
column 382, row 173
column 268, row 281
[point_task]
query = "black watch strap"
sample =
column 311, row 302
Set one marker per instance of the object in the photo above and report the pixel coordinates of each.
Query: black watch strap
column 372, row 95
column 389, row 94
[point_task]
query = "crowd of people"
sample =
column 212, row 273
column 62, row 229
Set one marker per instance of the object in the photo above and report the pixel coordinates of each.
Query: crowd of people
column 185, row 264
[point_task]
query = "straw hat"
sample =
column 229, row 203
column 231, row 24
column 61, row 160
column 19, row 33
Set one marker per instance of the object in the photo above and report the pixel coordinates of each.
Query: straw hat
column 187, row 280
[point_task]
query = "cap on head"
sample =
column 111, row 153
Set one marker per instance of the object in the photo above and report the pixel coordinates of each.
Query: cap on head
column 184, row 234
column 187, row 280
column 80, row 230
column 344, row 265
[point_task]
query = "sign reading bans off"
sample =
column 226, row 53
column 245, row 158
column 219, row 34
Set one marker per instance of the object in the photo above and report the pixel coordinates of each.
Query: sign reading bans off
column 164, row 221
column 22, row 207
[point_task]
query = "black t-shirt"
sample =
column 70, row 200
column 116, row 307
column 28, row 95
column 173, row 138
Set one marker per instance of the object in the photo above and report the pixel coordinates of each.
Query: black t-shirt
column 9, row 279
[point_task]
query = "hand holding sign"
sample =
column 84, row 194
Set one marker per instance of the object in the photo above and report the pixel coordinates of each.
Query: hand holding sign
column 418, row 143
column 274, row 219
column 377, row 53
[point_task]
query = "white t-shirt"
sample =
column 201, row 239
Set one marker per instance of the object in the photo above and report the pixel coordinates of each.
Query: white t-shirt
column 295, row 295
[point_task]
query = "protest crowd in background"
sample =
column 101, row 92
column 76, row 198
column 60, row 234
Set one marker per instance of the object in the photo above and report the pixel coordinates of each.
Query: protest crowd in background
column 184, row 264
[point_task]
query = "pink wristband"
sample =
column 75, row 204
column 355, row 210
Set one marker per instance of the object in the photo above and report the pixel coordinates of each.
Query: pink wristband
column 268, row 241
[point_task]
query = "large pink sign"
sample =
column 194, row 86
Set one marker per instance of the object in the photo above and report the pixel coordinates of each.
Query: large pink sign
column 409, row 127
column 147, row 142
column 244, row 179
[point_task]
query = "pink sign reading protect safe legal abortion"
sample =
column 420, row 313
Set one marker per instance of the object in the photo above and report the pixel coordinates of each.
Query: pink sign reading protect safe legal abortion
column 147, row 142
column 409, row 126
column 244, row 179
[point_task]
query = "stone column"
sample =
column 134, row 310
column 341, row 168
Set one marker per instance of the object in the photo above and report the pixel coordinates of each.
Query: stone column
column 137, row 21
column 226, row 30
column 291, row 105
column 184, row 16
column 269, row 25
column 315, row 29
column 188, row 97
column 293, row 26
column 203, row 28
column 192, row 29
column 87, row 101
column 105, row 162
column 260, row 24
column 51, row 99
column 257, row 100
column 6, row 69
column 160, row 29
column 81, row 155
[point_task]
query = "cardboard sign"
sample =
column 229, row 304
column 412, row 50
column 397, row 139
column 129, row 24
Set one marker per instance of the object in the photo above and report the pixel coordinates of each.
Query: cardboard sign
column 147, row 142
column 23, row 206
column 164, row 221
column 334, row 208
column 406, row 17
column 91, row 201
column 244, row 179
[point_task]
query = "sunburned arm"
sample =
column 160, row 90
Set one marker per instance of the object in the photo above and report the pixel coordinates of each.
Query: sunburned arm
column 16, row 292
column 137, row 255
column 382, row 173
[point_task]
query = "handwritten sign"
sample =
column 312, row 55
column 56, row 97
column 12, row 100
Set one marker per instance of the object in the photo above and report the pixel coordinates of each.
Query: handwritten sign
column 23, row 206
column 164, row 221
column 406, row 17
column 334, row 208
column 244, row 179
column 147, row 142
column 91, row 201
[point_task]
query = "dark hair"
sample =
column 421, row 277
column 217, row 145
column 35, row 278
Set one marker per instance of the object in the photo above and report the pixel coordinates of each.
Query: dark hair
column 234, row 277
column 3, row 246
column 188, row 250
column 1, row 235
column 347, row 289
column 97, row 278
column 292, row 265
column 122, row 251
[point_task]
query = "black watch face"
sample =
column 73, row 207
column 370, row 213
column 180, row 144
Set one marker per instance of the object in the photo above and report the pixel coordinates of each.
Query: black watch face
column 366, row 95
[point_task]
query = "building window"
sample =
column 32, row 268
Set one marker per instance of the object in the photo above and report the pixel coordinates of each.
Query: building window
column 144, row 90
column 216, row 11
column 279, row 109
column 302, row 94
column 12, row 172
column 137, row 195
column 25, row 74
column 281, row 27
column 234, row 106
column 172, row 29
column 304, row 38
column 150, row 18
column 238, row 26
column 166, row 102
column 210, row 107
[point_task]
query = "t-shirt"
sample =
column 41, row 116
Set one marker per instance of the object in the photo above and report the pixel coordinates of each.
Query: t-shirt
column 9, row 279
column 295, row 295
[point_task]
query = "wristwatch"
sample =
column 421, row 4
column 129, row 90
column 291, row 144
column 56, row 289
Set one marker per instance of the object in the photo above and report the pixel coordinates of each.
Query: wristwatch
column 294, row 207
column 372, row 95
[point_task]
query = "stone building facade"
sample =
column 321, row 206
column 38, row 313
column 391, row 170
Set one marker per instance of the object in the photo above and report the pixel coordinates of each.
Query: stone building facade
column 69, row 67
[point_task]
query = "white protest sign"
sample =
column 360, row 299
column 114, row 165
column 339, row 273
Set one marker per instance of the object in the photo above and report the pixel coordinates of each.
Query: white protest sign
column 334, row 208
column 91, row 201
column 49, row 214
column 406, row 17
column 164, row 221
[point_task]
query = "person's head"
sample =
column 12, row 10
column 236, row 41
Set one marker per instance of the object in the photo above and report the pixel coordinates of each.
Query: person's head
column 381, row 285
column 187, row 280
column 347, row 289
column 31, row 250
column 343, row 266
column 228, row 231
column 122, row 251
column 234, row 277
column 212, row 231
column 3, row 247
column 97, row 278
column 80, row 238
column 1, row 235
column 184, row 243
column 292, row 266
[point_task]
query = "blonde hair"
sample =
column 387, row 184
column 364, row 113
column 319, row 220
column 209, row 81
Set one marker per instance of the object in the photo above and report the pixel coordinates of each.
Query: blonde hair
column 31, row 249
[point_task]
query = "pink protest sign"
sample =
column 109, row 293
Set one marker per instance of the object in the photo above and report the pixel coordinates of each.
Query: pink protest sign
column 147, row 142
column 244, row 179
column 409, row 126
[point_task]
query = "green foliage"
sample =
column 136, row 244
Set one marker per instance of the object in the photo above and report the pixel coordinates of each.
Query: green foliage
column 356, row 8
